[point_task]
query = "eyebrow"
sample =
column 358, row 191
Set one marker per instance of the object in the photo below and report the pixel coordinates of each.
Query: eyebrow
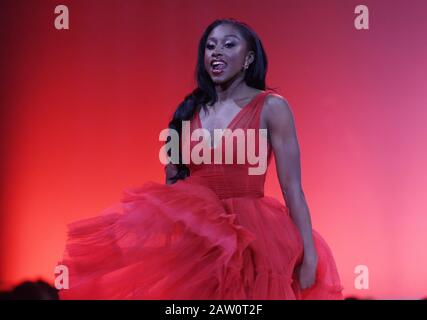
column 228, row 35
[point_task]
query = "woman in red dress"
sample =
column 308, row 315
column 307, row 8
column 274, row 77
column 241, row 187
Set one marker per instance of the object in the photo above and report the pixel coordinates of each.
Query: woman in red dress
column 210, row 232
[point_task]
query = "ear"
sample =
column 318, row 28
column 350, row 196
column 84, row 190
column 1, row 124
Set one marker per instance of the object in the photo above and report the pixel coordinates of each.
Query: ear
column 250, row 57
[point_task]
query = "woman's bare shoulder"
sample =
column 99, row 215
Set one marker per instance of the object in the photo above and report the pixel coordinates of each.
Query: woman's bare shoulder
column 276, row 108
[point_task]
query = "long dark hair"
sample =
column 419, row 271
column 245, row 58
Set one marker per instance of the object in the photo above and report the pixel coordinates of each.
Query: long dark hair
column 205, row 91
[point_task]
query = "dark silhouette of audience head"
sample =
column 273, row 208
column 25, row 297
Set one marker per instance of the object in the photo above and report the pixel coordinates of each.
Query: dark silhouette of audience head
column 31, row 290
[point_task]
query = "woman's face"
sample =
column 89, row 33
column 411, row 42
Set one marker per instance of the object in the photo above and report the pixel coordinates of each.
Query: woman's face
column 226, row 53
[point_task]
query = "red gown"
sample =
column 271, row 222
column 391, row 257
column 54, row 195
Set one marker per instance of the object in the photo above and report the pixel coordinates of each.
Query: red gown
column 214, row 235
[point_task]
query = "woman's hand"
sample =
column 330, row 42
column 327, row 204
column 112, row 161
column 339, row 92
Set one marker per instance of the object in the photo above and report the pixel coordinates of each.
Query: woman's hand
column 307, row 271
column 170, row 170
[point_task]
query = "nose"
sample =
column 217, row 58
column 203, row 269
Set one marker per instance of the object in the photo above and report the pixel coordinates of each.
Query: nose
column 217, row 51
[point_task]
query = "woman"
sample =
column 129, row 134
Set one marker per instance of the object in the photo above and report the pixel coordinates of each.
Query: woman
column 209, row 232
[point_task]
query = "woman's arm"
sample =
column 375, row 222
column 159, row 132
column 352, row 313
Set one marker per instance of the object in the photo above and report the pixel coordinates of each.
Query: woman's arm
column 280, row 125
column 170, row 170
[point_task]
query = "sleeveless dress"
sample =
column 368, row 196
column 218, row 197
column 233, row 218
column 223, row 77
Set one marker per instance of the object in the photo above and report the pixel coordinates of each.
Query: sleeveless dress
column 213, row 235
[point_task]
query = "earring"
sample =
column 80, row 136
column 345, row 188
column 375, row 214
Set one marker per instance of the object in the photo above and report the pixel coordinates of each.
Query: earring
column 246, row 66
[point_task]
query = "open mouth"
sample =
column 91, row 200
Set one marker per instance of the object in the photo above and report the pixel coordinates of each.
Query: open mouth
column 218, row 66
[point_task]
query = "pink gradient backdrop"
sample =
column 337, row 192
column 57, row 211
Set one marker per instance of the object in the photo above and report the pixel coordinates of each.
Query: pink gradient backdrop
column 81, row 111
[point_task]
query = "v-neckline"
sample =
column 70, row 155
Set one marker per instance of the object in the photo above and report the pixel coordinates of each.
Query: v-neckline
column 234, row 119
column 200, row 125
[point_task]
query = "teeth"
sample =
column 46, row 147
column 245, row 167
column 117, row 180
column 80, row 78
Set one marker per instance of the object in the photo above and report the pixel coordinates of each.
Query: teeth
column 217, row 63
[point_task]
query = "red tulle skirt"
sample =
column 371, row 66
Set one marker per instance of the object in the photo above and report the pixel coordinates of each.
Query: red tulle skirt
column 181, row 241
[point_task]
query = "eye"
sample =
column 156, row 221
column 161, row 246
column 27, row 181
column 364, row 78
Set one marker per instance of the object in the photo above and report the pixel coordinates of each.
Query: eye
column 227, row 45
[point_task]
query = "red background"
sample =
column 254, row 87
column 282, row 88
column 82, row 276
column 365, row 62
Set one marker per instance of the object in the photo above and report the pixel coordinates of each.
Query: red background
column 81, row 111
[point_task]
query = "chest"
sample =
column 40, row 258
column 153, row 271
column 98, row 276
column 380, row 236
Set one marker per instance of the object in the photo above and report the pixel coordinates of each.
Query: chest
column 225, row 117
column 219, row 117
